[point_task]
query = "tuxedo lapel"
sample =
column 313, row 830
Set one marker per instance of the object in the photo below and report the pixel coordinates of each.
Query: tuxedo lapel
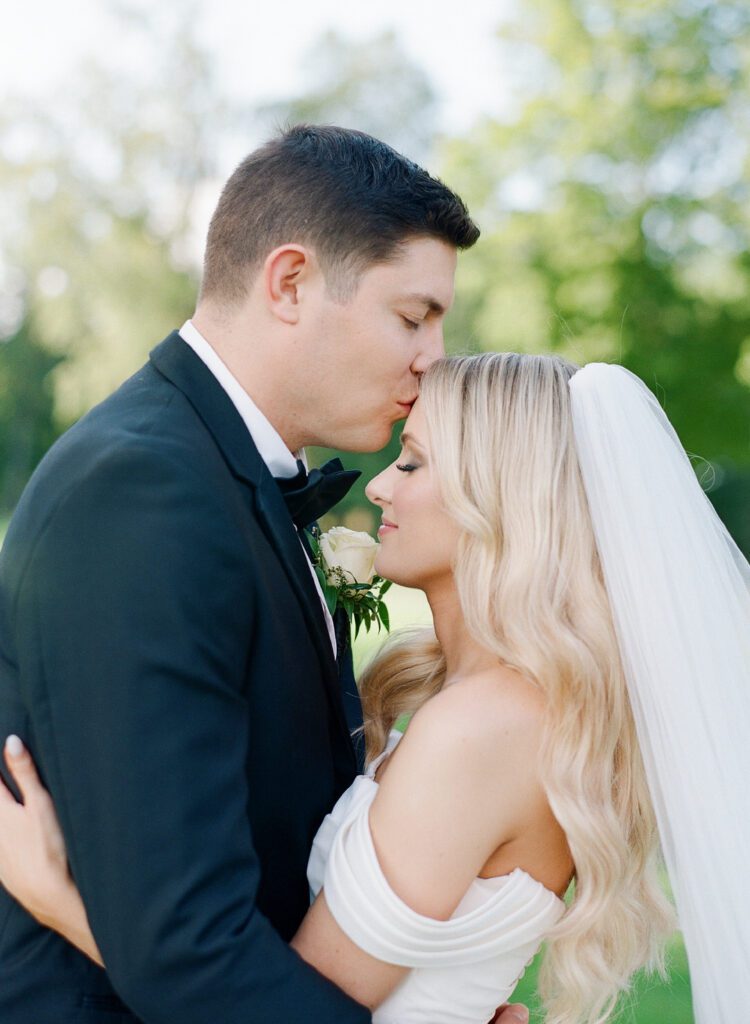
column 282, row 534
column 176, row 361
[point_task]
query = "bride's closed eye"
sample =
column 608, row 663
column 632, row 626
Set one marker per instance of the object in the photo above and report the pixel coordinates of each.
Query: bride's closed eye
column 406, row 467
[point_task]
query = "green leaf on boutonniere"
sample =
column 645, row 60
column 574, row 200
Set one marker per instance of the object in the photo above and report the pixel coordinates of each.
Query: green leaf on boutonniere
column 314, row 542
column 362, row 602
column 331, row 595
column 384, row 616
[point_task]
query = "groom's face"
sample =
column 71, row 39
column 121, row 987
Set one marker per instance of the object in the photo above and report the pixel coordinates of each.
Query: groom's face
column 373, row 348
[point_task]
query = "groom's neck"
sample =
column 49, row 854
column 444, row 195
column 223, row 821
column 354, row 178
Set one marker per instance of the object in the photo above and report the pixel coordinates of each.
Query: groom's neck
column 247, row 347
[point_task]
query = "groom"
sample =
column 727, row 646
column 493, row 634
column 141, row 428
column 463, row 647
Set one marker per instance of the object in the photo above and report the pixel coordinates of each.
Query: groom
column 164, row 647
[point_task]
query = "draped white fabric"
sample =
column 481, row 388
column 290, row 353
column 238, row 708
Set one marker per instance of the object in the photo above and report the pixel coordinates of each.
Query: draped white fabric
column 515, row 910
column 680, row 593
column 463, row 968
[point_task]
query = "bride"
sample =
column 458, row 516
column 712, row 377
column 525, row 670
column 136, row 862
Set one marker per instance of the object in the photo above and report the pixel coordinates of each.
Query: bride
column 586, row 690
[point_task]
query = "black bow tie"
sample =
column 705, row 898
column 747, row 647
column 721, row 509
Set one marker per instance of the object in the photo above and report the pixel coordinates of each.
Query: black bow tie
column 309, row 496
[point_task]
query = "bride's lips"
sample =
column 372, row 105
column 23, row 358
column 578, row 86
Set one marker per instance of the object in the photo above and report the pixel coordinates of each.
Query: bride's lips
column 387, row 527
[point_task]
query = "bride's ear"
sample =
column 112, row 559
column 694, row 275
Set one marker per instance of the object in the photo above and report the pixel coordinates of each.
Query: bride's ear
column 288, row 272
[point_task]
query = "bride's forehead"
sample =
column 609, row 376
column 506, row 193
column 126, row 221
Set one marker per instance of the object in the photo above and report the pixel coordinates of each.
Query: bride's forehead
column 415, row 426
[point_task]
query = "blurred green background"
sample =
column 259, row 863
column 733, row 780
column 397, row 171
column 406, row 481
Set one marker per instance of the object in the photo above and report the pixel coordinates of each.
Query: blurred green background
column 609, row 172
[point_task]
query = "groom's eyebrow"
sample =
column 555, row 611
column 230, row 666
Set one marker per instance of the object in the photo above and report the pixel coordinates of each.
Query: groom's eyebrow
column 425, row 300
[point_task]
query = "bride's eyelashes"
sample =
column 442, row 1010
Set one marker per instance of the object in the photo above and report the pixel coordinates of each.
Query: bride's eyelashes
column 406, row 467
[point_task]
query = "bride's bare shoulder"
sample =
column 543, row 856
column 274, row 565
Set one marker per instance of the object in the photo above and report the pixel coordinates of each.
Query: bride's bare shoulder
column 477, row 714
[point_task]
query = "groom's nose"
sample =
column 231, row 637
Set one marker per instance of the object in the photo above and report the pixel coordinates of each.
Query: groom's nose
column 432, row 347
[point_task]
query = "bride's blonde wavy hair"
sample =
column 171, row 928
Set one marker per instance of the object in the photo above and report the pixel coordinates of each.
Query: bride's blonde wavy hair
column 532, row 590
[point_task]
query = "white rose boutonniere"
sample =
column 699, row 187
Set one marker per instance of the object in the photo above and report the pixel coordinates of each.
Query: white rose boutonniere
column 345, row 566
column 349, row 555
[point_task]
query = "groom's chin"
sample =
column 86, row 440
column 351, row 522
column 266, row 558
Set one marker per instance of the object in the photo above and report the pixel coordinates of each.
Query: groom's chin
column 382, row 439
column 370, row 441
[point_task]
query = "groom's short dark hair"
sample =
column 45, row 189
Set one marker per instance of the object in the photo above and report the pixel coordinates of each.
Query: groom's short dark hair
column 346, row 194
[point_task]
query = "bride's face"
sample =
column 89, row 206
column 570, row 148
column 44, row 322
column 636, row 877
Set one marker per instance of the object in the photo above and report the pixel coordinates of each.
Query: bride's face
column 418, row 539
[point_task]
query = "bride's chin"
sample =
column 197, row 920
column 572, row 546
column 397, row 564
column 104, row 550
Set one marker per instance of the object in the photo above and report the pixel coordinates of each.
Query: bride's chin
column 382, row 568
column 390, row 572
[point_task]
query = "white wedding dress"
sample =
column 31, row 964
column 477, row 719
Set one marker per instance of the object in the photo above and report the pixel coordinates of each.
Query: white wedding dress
column 463, row 968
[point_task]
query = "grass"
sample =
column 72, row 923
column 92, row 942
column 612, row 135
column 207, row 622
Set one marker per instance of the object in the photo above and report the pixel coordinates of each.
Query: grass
column 651, row 1001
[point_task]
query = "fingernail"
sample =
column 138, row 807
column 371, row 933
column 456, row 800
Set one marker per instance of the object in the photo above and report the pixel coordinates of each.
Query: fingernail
column 521, row 1015
column 14, row 746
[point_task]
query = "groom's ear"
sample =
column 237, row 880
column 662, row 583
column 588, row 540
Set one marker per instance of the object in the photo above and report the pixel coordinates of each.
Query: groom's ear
column 288, row 273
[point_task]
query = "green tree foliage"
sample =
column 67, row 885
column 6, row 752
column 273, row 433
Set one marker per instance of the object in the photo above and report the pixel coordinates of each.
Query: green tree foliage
column 27, row 423
column 97, row 203
column 615, row 203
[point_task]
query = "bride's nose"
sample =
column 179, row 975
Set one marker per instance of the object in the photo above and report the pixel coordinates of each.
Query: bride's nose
column 377, row 490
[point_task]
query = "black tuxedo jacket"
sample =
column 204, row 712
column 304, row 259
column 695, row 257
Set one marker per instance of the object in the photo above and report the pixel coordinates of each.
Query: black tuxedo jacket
column 163, row 653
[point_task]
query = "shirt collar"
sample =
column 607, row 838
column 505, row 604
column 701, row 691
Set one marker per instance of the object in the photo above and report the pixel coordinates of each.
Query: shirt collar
column 271, row 448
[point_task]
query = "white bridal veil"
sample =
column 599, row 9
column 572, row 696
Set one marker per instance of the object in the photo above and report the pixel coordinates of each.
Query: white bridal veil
column 680, row 594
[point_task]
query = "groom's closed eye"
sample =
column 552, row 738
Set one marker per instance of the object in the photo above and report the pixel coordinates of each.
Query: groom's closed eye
column 412, row 325
column 427, row 302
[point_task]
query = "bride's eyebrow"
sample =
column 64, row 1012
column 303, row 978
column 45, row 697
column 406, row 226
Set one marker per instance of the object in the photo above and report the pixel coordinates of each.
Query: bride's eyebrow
column 407, row 438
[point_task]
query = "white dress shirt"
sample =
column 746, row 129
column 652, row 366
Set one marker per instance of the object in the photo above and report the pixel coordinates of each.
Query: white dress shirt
column 271, row 448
